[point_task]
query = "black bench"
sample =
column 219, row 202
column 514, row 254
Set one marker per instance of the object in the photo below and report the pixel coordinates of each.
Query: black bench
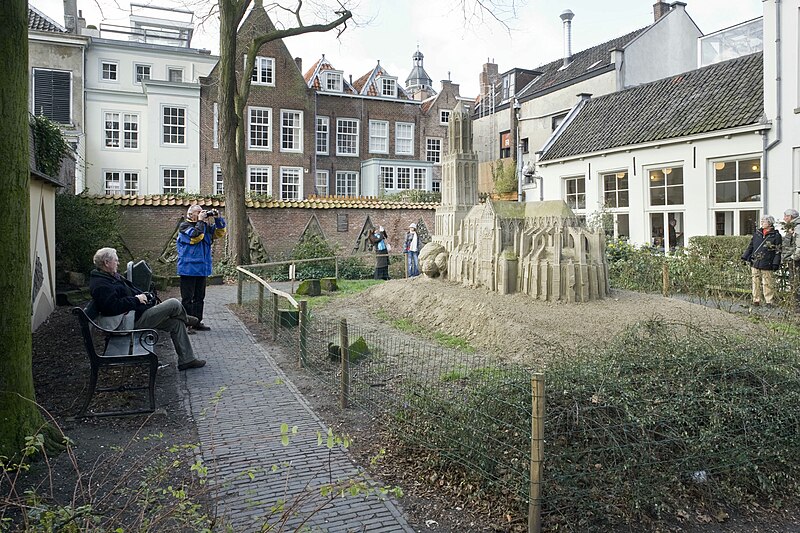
column 129, row 347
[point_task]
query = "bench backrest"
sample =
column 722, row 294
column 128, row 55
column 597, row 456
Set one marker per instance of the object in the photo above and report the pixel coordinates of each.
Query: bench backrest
column 140, row 275
column 86, row 331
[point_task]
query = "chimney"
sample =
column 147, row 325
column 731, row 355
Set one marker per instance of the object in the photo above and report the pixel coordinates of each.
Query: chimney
column 567, row 17
column 71, row 15
column 660, row 9
column 299, row 62
column 488, row 78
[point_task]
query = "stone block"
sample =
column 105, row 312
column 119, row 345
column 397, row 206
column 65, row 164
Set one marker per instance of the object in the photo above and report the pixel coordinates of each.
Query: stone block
column 309, row 287
column 329, row 284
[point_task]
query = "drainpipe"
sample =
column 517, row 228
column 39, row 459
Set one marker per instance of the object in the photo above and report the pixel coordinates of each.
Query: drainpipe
column 769, row 146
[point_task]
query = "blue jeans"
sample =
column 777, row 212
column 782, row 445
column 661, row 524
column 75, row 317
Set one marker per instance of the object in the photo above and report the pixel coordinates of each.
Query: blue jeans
column 413, row 264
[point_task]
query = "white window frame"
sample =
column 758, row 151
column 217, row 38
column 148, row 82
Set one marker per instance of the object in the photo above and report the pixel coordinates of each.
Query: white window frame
column 387, row 86
column 333, row 81
column 346, row 139
column 322, row 177
column 444, row 116
column 285, row 171
column 177, row 170
column 323, row 135
column 170, row 70
column 404, row 138
column 379, row 136
column 666, row 206
column 419, row 178
column 433, row 154
column 292, row 132
column 217, row 179
column 115, row 64
column 386, row 176
column 576, row 195
column 178, row 130
column 136, row 79
column 267, row 145
column 260, row 187
column 263, row 67
column 121, row 176
column 123, row 133
column 215, row 127
column 403, row 178
column 344, row 180
column 747, row 205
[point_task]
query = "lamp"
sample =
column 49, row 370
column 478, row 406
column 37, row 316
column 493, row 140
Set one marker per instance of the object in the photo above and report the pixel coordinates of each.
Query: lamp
column 667, row 171
column 529, row 173
column 755, row 167
column 621, row 175
column 719, row 165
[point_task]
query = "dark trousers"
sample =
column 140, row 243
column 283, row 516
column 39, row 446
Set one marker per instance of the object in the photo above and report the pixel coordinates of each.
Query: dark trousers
column 193, row 293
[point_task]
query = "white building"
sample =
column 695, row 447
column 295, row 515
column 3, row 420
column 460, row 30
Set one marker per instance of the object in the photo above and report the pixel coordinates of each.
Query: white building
column 142, row 106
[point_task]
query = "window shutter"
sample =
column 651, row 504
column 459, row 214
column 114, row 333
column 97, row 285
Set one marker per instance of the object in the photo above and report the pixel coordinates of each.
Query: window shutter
column 51, row 95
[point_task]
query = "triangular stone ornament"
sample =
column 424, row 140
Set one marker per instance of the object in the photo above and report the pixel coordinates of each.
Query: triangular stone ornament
column 313, row 227
column 362, row 243
column 169, row 253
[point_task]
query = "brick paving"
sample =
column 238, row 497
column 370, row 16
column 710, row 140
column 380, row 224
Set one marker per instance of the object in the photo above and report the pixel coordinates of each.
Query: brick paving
column 239, row 401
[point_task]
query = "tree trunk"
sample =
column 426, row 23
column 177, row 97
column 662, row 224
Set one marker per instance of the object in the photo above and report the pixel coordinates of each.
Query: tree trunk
column 19, row 416
column 232, row 136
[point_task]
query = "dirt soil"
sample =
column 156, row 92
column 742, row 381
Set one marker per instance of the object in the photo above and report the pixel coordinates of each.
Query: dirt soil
column 515, row 328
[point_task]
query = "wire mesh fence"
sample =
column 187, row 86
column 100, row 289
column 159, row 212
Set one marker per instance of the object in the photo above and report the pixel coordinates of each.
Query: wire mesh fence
column 664, row 418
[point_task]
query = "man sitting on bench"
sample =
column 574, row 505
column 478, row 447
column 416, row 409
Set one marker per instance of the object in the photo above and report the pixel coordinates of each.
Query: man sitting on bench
column 115, row 297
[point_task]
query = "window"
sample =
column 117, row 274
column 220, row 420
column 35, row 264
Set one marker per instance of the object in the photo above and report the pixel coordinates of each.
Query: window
column 420, row 177
column 259, row 179
column 444, row 116
column 125, row 125
column 260, row 128
column 615, row 190
column 404, row 138
column 388, row 87
column 433, row 150
column 219, row 184
column 736, row 222
column 174, row 125
column 291, row 183
column 403, row 178
column 323, row 135
column 556, row 121
column 215, row 132
column 141, row 72
column 505, row 144
column 667, row 228
column 52, row 94
column 332, row 81
column 263, row 71
column 291, row 131
column 436, row 186
column 387, row 178
column 321, row 183
column 346, row 183
column 666, row 186
column 525, row 148
column 175, row 74
column 378, row 136
column 346, row 136
column 508, row 86
column 108, row 70
column 119, row 182
column 737, row 181
column 575, row 192
column 174, row 180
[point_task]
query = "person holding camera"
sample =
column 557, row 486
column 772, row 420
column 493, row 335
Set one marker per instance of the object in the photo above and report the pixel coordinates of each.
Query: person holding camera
column 116, row 298
column 196, row 234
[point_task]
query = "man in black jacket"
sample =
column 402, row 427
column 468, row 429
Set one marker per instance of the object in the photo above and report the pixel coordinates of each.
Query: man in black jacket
column 116, row 297
column 763, row 254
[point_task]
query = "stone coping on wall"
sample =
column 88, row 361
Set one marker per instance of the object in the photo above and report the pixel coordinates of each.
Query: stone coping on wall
column 312, row 202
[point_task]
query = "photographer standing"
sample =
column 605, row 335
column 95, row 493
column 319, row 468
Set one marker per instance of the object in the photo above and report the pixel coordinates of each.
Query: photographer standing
column 196, row 234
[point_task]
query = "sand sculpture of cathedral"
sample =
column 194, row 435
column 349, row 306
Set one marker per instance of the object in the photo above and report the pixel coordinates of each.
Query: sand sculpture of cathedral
column 536, row 248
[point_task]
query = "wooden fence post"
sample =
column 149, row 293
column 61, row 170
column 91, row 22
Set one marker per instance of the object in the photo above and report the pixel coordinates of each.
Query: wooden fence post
column 260, row 315
column 276, row 317
column 239, row 288
column 665, row 279
column 303, row 325
column 345, row 353
column 336, row 267
column 537, row 454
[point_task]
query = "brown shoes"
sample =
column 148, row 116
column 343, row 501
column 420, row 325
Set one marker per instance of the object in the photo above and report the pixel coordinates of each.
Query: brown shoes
column 192, row 321
column 194, row 363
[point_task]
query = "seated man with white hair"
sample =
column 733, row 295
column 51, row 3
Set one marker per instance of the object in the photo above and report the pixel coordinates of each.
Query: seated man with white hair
column 115, row 297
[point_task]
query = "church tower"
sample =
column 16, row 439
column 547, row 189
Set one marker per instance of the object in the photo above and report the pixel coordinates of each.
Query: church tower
column 418, row 84
column 459, row 179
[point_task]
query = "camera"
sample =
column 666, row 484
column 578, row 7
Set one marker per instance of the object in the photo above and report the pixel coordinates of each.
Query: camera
column 151, row 298
column 212, row 213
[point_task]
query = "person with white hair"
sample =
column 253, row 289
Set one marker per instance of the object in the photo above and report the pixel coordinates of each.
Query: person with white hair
column 196, row 234
column 763, row 254
column 411, row 249
column 790, row 253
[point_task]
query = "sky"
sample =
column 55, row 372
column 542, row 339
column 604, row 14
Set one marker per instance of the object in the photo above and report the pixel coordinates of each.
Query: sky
column 456, row 43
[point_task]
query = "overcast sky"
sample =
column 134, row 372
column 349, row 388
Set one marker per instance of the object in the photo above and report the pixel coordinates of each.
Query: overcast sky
column 391, row 30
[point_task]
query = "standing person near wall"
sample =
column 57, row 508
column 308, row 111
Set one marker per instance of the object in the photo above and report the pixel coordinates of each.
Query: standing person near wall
column 763, row 254
column 411, row 250
column 790, row 251
column 196, row 234
column 378, row 239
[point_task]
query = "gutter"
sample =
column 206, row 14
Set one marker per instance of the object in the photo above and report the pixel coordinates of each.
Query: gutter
column 770, row 146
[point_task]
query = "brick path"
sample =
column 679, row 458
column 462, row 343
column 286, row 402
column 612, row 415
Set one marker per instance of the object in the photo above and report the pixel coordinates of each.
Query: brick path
column 239, row 431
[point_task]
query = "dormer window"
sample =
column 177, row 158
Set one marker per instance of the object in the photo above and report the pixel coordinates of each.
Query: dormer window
column 388, row 87
column 508, row 87
column 332, row 81
column 263, row 71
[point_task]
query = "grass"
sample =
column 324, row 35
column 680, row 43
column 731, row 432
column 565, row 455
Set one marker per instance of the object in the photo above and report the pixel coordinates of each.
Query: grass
column 346, row 288
column 442, row 339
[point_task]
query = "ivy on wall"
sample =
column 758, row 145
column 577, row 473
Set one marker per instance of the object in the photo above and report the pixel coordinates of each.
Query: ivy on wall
column 50, row 146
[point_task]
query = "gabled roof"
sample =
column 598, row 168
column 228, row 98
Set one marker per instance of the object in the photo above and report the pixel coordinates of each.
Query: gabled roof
column 713, row 98
column 367, row 85
column 312, row 76
column 38, row 21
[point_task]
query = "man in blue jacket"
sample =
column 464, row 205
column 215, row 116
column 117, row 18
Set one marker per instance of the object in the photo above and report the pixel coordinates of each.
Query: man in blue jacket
column 196, row 234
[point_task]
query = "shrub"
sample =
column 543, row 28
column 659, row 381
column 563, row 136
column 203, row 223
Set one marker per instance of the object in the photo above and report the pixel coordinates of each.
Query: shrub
column 504, row 177
column 415, row 196
column 83, row 227
column 50, row 145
